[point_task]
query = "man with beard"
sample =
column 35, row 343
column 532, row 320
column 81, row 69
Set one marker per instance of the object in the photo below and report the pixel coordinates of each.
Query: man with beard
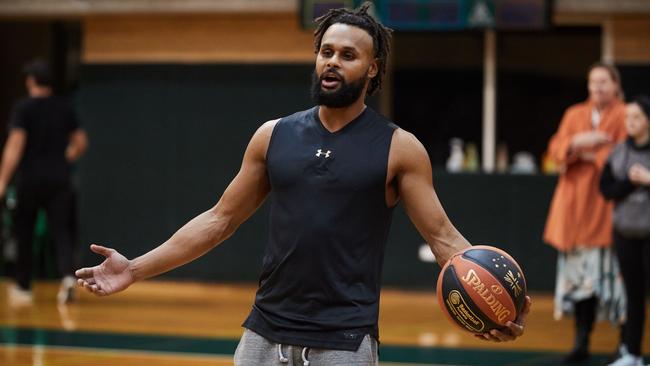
column 334, row 174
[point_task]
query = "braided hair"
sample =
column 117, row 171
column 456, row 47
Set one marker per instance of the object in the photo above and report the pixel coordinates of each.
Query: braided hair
column 360, row 18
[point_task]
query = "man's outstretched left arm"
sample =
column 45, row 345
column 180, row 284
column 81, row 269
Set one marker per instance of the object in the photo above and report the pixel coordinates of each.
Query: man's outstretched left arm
column 413, row 177
column 414, row 182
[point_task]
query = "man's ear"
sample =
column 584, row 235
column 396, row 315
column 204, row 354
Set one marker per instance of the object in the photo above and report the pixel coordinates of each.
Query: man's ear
column 373, row 70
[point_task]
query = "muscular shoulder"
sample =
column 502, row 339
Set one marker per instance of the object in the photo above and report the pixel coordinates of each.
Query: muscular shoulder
column 266, row 129
column 407, row 152
column 260, row 141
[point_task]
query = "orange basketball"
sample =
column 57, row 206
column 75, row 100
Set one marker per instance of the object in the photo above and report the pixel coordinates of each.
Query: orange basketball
column 481, row 288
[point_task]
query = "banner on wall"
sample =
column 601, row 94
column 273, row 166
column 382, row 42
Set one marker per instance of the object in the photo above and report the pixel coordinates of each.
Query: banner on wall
column 443, row 15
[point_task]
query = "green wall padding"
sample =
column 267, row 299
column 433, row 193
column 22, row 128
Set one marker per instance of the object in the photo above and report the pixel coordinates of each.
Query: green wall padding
column 165, row 140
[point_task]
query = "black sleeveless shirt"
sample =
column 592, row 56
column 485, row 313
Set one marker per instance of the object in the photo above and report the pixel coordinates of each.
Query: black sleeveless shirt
column 328, row 227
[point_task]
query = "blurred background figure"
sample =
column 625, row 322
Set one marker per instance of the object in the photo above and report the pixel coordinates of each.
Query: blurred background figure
column 626, row 180
column 44, row 139
column 579, row 221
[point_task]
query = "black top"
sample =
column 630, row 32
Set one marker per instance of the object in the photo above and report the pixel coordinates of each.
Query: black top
column 329, row 223
column 616, row 188
column 48, row 122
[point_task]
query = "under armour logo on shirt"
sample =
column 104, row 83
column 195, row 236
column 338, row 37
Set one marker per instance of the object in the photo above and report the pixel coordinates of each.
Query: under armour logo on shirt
column 320, row 152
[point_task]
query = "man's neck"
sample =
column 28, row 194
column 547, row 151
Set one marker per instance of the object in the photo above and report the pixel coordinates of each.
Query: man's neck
column 334, row 119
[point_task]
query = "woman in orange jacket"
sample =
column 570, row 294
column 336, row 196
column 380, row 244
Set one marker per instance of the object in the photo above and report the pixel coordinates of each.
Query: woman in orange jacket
column 579, row 223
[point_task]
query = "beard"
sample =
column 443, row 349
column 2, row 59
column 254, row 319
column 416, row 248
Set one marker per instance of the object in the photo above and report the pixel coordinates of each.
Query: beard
column 343, row 96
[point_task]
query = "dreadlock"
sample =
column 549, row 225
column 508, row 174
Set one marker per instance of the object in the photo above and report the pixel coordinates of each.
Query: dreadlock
column 360, row 18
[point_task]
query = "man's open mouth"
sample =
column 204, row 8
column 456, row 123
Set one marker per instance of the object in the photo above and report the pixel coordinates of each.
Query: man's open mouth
column 330, row 80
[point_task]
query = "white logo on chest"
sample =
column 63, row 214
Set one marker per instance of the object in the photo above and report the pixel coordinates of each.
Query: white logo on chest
column 320, row 152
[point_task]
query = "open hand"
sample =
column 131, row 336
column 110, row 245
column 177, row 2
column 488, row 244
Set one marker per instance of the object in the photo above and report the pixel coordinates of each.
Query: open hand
column 512, row 330
column 112, row 275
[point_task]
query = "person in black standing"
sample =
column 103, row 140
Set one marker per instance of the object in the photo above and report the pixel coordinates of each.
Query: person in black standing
column 626, row 180
column 334, row 174
column 44, row 139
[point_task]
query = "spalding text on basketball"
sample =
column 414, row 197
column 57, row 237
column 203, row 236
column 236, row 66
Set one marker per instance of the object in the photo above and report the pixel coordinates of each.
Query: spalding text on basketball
column 472, row 279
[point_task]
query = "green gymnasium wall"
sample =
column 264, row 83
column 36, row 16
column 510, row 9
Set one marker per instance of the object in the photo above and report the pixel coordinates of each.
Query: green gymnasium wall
column 165, row 142
column 167, row 139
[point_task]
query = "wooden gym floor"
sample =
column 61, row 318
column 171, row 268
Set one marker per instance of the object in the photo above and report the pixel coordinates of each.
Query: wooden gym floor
column 195, row 324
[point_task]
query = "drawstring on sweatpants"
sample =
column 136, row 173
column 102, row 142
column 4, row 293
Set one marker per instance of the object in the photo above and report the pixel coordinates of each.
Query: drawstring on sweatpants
column 282, row 358
column 305, row 361
column 305, row 352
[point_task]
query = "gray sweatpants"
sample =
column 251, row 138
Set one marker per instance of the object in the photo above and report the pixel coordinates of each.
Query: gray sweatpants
column 255, row 350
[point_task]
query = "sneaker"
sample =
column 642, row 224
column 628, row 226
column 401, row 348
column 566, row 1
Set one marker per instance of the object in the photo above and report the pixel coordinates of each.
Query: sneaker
column 67, row 290
column 628, row 360
column 19, row 297
column 620, row 352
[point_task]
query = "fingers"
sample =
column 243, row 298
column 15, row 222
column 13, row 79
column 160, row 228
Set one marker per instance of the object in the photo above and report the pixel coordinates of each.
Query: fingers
column 637, row 173
column 516, row 329
column 84, row 273
column 106, row 252
column 505, row 335
column 521, row 319
column 512, row 330
column 86, row 277
column 90, row 280
column 495, row 336
column 637, row 170
column 88, row 285
column 91, row 287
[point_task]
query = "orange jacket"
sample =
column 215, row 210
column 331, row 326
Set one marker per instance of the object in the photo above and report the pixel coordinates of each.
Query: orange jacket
column 579, row 214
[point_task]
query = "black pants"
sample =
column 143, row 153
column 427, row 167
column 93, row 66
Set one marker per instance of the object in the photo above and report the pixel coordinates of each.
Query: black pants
column 57, row 200
column 633, row 258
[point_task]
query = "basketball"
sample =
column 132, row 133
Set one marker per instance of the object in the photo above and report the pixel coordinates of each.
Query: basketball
column 481, row 288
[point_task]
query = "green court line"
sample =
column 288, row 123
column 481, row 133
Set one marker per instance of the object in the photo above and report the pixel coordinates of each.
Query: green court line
column 112, row 352
column 144, row 342
column 225, row 346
